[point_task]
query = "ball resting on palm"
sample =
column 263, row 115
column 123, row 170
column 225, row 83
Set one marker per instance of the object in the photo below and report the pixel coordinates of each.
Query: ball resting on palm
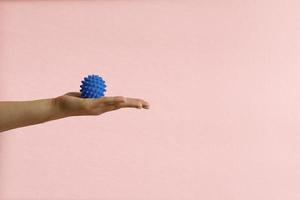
column 93, row 86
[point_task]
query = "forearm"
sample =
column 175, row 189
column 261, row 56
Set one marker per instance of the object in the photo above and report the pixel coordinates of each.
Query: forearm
column 14, row 114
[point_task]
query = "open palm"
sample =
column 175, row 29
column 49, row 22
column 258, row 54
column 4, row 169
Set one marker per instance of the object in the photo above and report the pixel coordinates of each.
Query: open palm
column 71, row 103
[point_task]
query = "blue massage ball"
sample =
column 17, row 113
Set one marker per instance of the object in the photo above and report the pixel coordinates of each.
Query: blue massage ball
column 93, row 86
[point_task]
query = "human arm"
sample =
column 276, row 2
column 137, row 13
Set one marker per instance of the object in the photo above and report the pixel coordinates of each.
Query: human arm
column 15, row 114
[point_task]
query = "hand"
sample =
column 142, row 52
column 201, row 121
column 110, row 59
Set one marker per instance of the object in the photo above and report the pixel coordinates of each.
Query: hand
column 15, row 114
column 71, row 104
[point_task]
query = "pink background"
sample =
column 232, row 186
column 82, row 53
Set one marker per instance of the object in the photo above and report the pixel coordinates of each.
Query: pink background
column 222, row 77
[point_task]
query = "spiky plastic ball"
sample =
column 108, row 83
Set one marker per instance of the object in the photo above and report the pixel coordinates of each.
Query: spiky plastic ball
column 93, row 86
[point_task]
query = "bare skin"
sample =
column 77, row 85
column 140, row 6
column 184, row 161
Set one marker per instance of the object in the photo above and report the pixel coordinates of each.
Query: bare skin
column 15, row 114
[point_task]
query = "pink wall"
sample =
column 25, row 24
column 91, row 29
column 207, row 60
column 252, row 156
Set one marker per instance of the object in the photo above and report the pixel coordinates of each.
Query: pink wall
column 222, row 77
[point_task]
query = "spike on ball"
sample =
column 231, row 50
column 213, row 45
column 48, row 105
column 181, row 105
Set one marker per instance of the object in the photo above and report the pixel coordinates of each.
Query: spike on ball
column 93, row 86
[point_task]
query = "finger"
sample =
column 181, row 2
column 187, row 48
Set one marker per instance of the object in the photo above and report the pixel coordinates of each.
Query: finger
column 74, row 94
column 123, row 105
column 134, row 103
column 112, row 100
column 144, row 103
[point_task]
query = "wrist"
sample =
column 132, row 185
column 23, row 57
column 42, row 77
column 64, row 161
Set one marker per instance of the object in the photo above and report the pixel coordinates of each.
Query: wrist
column 58, row 110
